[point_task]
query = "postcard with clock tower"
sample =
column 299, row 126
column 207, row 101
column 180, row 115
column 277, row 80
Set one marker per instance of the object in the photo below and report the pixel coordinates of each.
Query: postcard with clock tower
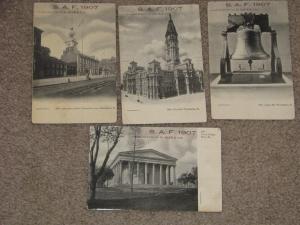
column 161, row 64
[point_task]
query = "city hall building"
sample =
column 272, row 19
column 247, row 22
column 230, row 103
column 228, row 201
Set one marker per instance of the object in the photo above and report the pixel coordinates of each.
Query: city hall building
column 147, row 166
column 178, row 78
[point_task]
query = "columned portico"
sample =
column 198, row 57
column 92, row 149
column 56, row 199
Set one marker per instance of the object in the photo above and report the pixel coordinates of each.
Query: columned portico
column 148, row 167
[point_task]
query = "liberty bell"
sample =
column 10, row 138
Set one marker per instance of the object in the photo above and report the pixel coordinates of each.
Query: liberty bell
column 249, row 44
column 249, row 27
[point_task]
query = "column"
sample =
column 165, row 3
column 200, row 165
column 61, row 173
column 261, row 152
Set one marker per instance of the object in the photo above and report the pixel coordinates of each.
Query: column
column 160, row 174
column 148, row 85
column 120, row 171
column 225, row 65
column 152, row 88
column 187, row 83
column 114, row 179
column 138, row 172
column 273, row 50
column 167, row 175
column 201, row 80
column 177, row 82
column 276, row 65
column 117, row 173
column 129, row 171
column 153, row 173
column 146, row 173
column 156, row 86
column 174, row 175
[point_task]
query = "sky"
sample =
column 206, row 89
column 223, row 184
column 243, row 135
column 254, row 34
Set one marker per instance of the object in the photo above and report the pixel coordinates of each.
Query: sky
column 95, row 26
column 142, row 33
column 185, row 150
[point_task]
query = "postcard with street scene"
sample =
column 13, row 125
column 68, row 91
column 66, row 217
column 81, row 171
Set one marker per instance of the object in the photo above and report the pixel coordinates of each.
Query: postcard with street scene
column 155, row 168
column 74, row 63
column 250, row 60
column 161, row 64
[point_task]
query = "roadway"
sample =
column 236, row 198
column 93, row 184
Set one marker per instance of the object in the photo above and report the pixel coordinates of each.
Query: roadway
column 95, row 87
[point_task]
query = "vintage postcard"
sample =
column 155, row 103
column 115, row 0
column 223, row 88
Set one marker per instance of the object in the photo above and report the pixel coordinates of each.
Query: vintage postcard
column 161, row 64
column 155, row 168
column 74, row 63
column 250, row 60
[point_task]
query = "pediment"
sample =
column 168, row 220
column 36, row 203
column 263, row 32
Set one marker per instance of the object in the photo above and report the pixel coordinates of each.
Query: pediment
column 153, row 154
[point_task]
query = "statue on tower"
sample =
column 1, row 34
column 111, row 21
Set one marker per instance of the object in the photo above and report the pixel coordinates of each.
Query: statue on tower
column 71, row 41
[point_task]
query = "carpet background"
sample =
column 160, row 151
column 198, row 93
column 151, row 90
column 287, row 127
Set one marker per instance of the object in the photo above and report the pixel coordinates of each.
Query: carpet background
column 44, row 168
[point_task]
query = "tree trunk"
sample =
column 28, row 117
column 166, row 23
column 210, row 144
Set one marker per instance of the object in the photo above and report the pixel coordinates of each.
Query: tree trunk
column 93, row 189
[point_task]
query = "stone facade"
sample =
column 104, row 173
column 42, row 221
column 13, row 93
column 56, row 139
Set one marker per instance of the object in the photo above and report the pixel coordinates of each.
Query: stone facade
column 44, row 65
column 154, row 82
column 148, row 168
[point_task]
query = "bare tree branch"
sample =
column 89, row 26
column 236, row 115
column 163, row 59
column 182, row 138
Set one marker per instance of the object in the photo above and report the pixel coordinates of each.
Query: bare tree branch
column 116, row 140
column 97, row 143
column 93, row 145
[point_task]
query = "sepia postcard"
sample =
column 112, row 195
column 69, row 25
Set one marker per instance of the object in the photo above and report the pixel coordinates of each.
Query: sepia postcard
column 250, row 60
column 155, row 168
column 74, row 63
column 161, row 64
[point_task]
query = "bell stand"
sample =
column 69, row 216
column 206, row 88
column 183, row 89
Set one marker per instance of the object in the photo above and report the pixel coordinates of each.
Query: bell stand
column 225, row 63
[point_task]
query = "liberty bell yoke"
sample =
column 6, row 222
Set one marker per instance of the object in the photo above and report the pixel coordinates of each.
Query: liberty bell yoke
column 249, row 27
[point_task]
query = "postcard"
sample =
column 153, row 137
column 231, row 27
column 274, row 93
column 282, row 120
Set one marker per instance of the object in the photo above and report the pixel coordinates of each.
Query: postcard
column 74, row 63
column 161, row 64
column 155, row 168
column 250, row 60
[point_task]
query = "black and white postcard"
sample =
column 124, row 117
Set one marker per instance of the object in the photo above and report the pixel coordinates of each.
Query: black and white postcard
column 161, row 64
column 74, row 63
column 155, row 168
column 250, row 60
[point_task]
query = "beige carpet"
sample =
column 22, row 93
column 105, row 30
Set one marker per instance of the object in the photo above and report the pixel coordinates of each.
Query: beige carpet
column 44, row 168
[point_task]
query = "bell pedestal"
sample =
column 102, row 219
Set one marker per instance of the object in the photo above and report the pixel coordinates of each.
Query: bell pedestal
column 226, row 77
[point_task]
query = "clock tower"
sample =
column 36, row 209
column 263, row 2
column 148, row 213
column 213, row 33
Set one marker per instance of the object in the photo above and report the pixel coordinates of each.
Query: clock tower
column 171, row 45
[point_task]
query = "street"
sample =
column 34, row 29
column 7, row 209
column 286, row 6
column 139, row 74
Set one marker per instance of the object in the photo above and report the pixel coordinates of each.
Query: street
column 86, row 88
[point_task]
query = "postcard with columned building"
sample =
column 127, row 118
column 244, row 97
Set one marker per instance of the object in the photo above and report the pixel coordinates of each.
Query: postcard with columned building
column 250, row 60
column 161, row 64
column 74, row 64
column 155, row 168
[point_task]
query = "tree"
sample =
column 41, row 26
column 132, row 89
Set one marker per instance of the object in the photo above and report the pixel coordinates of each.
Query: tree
column 107, row 175
column 193, row 176
column 99, row 134
column 189, row 177
column 183, row 179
